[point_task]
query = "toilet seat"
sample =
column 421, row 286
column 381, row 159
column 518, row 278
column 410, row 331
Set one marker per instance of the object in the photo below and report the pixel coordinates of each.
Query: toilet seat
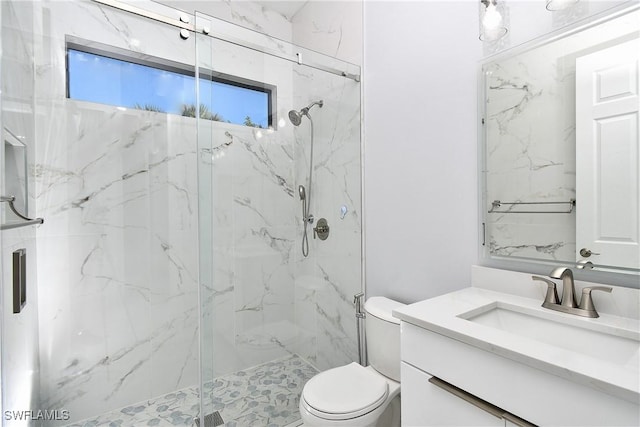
column 345, row 392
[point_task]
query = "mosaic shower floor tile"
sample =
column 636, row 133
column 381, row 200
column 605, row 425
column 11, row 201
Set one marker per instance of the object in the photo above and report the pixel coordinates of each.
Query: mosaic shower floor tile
column 263, row 396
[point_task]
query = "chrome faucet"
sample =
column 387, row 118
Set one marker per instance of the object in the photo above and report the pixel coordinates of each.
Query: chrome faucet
column 568, row 302
column 568, row 287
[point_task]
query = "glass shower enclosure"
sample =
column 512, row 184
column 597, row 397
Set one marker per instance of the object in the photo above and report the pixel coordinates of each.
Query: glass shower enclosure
column 275, row 315
column 167, row 284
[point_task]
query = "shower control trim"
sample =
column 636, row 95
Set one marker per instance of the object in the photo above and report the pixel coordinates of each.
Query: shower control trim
column 321, row 230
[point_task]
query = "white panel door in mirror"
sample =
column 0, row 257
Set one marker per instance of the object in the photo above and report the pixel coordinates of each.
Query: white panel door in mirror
column 608, row 157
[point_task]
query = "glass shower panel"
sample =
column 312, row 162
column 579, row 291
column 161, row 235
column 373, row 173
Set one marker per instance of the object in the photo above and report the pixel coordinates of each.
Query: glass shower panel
column 206, row 157
column 117, row 255
column 20, row 359
column 270, row 311
column 327, row 280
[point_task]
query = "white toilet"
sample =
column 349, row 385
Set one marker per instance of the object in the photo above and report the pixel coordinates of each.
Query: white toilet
column 353, row 395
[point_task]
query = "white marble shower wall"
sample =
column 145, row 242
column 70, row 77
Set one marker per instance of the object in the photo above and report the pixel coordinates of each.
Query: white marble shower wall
column 118, row 263
column 251, row 303
column 328, row 279
column 20, row 365
column 262, row 306
column 528, row 162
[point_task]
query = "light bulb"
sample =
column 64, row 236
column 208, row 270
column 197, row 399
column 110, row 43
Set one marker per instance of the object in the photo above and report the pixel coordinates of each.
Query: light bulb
column 491, row 24
column 492, row 18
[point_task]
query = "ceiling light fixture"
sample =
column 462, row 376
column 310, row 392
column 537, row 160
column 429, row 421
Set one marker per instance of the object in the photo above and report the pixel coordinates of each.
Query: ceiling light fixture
column 491, row 22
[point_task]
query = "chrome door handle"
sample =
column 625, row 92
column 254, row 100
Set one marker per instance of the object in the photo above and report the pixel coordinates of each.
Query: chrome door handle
column 584, row 252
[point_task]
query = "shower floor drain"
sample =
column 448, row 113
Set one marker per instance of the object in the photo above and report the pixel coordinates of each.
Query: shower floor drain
column 210, row 420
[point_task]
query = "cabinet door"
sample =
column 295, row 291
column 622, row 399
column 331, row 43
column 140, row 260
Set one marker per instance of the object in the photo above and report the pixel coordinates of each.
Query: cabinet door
column 425, row 404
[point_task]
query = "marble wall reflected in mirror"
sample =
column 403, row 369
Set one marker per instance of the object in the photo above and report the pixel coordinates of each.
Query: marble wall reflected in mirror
column 559, row 184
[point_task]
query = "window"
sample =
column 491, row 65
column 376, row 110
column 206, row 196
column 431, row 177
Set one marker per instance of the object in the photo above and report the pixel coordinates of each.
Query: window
column 113, row 76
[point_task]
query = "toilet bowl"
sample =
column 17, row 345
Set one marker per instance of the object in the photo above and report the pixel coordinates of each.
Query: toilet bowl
column 357, row 396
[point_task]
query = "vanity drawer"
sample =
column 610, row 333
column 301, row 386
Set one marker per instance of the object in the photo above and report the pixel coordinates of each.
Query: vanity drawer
column 529, row 393
column 425, row 404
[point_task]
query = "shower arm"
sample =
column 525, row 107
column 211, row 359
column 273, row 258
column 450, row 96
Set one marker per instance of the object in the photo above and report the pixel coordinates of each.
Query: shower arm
column 306, row 109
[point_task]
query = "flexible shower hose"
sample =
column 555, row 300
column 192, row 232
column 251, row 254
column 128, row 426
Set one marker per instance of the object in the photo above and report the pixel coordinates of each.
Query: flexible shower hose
column 306, row 204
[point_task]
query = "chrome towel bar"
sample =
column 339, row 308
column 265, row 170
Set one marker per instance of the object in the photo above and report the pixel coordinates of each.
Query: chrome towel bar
column 497, row 203
column 27, row 220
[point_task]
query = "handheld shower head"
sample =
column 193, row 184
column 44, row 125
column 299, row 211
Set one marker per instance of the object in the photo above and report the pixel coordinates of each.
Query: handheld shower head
column 296, row 116
column 302, row 192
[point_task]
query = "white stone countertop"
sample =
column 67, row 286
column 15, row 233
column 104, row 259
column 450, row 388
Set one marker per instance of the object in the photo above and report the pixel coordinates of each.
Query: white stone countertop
column 619, row 378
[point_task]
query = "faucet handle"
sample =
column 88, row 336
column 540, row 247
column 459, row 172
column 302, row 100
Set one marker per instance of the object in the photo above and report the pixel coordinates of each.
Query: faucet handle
column 586, row 302
column 552, row 293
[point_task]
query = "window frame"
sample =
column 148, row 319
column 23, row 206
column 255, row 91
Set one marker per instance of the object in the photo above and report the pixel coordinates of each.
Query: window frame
column 139, row 58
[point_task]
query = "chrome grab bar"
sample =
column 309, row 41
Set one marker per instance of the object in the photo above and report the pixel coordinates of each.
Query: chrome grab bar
column 27, row 220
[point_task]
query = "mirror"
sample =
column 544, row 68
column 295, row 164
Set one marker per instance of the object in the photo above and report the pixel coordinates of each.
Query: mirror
column 561, row 160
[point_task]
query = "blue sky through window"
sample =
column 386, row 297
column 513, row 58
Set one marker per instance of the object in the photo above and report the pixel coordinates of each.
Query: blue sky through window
column 104, row 80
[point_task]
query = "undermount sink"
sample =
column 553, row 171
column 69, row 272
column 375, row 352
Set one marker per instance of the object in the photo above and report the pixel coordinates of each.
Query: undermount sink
column 583, row 336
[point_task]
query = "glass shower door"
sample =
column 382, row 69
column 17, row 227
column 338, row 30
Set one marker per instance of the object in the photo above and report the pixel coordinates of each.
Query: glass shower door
column 110, row 328
column 271, row 318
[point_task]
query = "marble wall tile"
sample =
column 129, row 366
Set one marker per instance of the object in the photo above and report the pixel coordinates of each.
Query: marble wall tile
column 134, row 264
column 253, row 223
column 257, row 219
column 120, row 256
column 243, row 14
column 327, row 280
column 331, row 27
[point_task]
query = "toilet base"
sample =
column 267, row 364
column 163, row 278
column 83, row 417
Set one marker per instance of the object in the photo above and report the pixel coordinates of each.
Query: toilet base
column 390, row 417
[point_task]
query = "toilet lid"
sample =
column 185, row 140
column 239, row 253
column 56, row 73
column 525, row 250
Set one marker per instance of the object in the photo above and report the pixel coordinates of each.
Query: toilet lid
column 345, row 392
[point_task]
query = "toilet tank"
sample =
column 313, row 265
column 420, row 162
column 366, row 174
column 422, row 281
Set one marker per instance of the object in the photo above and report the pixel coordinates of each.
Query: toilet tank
column 383, row 336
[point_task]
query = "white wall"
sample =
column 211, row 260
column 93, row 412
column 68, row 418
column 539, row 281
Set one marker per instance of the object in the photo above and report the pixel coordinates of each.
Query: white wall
column 420, row 61
column 420, row 68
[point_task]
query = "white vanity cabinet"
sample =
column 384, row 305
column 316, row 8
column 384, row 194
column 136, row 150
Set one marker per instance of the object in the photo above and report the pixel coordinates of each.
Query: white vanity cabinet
column 426, row 404
column 520, row 391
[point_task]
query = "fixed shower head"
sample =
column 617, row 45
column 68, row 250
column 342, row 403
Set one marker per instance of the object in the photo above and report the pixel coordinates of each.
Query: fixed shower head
column 296, row 116
column 302, row 192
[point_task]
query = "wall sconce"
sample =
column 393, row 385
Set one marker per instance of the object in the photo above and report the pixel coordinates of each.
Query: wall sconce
column 553, row 5
column 491, row 21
